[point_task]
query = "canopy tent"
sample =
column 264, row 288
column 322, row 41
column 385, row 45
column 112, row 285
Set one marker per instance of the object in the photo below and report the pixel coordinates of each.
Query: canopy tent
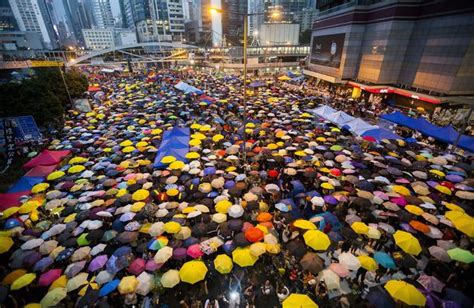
column 358, row 126
column 445, row 134
column 40, row 171
column 380, row 133
column 11, row 199
column 340, row 118
column 186, row 88
column 324, row 111
column 175, row 143
column 25, row 183
column 257, row 84
column 47, row 158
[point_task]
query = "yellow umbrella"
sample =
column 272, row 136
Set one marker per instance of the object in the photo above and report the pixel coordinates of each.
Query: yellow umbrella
column 257, row 249
column 140, row 195
column 407, row 242
column 128, row 149
column 451, row 206
column 5, row 244
column 223, row 206
column 405, row 292
column 9, row 212
column 416, row 210
column 326, row 185
column 360, row 227
column 316, row 239
column 193, row 271
column 33, row 305
column 172, row 227
column 141, row 144
column 402, row 190
column 193, row 155
column 53, row 297
column 39, row 188
column 128, row 285
column 223, row 264
column 462, row 222
column 243, row 257
column 77, row 160
column 304, row 224
column 76, row 169
column 170, row 278
column 29, row 206
column 177, row 165
column 273, row 248
column 438, row 173
column 172, row 192
column 194, row 142
column 137, row 206
column 55, row 175
column 217, row 138
column 126, row 143
column 168, row 159
column 299, row 301
column 23, row 281
column 368, row 263
column 443, row 189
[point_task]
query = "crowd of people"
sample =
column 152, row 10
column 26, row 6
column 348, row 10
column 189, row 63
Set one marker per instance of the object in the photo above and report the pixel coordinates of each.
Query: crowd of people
column 255, row 213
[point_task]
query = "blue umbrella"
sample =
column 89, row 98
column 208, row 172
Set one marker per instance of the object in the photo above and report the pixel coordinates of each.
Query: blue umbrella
column 458, row 297
column 43, row 264
column 209, row 171
column 384, row 259
column 378, row 297
column 122, row 251
column 109, row 287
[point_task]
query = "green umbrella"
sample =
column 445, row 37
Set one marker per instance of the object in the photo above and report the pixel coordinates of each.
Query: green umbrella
column 335, row 148
column 43, row 225
column 82, row 240
column 109, row 235
column 461, row 255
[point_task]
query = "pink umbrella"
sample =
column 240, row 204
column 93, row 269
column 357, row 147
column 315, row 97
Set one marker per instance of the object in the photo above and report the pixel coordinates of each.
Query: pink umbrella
column 402, row 181
column 431, row 283
column 246, row 226
column 137, row 267
column 194, row 251
column 381, row 195
column 152, row 266
column 339, row 269
column 49, row 277
column 97, row 263
column 399, row 201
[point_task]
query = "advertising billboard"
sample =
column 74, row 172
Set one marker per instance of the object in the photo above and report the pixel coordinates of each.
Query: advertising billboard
column 327, row 50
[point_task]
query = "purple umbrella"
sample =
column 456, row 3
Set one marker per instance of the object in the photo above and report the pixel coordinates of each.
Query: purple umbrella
column 152, row 266
column 431, row 283
column 42, row 264
column 31, row 259
column 97, row 263
column 74, row 268
column 329, row 199
column 47, row 278
column 179, row 253
column 137, row 267
column 433, row 184
column 454, row 178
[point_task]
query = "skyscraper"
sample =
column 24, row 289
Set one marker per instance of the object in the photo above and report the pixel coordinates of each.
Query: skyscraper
column 233, row 20
column 102, row 13
column 32, row 16
column 7, row 19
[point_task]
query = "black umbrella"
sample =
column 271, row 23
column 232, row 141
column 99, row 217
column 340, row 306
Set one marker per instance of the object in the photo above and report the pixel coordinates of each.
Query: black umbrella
column 348, row 233
column 297, row 248
column 240, row 240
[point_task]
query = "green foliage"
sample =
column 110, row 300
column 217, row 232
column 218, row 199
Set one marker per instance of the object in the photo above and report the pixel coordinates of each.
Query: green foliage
column 43, row 96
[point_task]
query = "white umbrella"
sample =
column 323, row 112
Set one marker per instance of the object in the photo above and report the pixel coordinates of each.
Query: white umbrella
column 434, row 232
column 48, row 246
column 272, row 187
column 145, row 283
column 349, row 261
column 163, row 255
column 373, row 233
column 156, row 229
column 103, row 277
column 97, row 249
column 236, row 211
column 76, row 282
column 331, row 279
column 104, row 214
column 31, row 244
column 194, row 214
column 386, row 227
column 57, row 229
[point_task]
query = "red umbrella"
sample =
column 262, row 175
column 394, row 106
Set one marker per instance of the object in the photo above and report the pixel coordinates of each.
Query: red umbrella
column 194, row 251
column 49, row 277
column 254, row 235
column 272, row 173
column 369, row 138
column 137, row 267
column 336, row 172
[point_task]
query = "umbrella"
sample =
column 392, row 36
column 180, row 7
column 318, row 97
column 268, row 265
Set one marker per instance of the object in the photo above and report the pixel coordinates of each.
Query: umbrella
column 53, row 297
column 223, row 264
column 304, row 224
column 145, row 284
column 299, row 301
column 331, row 279
column 193, row 271
column 163, row 255
column 379, row 297
column 439, row 253
column 23, row 281
column 339, row 269
column 407, row 242
column 461, row 255
column 243, row 257
column 405, row 292
column 360, row 227
column 367, row 262
column 128, row 285
column 312, row 262
column 47, row 278
column 170, row 278
column 384, row 259
column 350, row 261
column 109, row 287
column 76, row 282
column 430, row 283
column 316, row 239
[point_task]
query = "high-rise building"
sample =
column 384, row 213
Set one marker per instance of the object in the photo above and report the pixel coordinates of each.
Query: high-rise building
column 7, row 19
column 233, row 20
column 32, row 16
column 305, row 18
column 102, row 13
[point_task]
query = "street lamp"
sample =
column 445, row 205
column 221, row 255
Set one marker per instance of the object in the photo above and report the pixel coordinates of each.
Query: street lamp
column 274, row 14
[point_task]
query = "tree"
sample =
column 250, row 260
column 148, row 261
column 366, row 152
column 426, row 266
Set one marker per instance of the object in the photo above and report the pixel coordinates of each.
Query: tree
column 305, row 36
column 76, row 82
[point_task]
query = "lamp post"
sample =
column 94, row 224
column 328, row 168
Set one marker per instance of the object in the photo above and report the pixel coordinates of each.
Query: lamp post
column 275, row 14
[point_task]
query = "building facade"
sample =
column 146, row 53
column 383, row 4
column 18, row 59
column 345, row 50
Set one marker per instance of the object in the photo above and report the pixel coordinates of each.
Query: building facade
column 279, row 34
column 102, row 13
column 424, row 46
column 124, row 37
column 7, row 19
column 97, row 39
column 32, row 16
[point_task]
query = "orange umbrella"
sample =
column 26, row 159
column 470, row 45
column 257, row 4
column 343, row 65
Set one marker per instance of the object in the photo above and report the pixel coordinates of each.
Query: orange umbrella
column 264, row 216
column 415, row 224
column 254, row 234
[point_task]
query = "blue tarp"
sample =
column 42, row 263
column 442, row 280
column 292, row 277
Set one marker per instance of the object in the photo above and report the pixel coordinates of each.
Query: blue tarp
column 25, row 183
column 175, row 143
column 380, row 133
column 340, row 118
column 324, row 111
column 186, row 88
column 445, row 134
column 358, row 126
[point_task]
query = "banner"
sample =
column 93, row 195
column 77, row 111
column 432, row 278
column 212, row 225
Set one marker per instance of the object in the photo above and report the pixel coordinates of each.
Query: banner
column 327, row 50
column 9, row 138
